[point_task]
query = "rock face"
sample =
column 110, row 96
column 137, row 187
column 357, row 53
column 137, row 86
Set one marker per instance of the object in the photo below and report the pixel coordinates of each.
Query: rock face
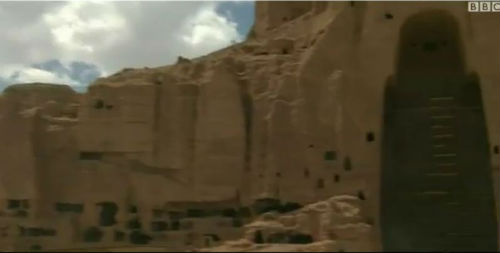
column 184, row 155
column 334, row 225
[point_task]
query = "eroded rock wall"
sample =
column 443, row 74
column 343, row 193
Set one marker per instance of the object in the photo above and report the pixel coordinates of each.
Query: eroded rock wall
column 294, row 114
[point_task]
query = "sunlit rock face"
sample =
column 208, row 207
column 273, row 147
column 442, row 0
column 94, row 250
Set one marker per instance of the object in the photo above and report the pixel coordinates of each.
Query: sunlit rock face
column 293, row 121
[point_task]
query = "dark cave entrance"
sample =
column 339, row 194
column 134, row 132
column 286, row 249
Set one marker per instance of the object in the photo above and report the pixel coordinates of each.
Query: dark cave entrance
column 436, row 188
column 107, row 214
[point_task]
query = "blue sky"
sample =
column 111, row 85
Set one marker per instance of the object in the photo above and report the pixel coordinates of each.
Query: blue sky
column 242, row 13
column 77, row 41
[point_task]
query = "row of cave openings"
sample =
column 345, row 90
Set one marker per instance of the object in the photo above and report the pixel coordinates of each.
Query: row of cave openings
column 18, row 207
column 99, row 104
column 162, row 220
column 289, row 237
column 330, row 156
column 175, row 220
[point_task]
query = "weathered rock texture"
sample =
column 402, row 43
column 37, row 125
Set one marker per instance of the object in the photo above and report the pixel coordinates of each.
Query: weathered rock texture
column 334, row 225
column 293, row 114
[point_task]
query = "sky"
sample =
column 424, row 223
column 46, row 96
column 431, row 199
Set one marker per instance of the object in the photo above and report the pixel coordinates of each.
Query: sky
column 75, row 42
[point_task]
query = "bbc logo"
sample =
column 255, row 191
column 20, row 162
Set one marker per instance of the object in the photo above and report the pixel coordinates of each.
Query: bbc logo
column 484, row 6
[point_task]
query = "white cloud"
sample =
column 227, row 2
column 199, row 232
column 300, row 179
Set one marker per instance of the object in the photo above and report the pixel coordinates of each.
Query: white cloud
column 210, row 28
column 77, row 74
column 108, row 34
column 29, row 75
column 71, row 24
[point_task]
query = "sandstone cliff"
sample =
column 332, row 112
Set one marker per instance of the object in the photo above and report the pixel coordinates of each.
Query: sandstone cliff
column 291, row 116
